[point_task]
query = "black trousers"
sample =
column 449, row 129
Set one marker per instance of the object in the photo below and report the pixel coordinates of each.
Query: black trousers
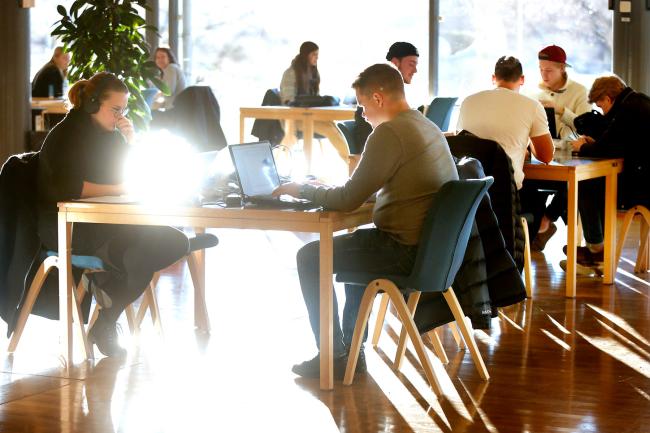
column 131, row 255
column 533, row 196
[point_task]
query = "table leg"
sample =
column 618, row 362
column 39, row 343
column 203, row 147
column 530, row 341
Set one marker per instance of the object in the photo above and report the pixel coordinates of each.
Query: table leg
column 308, row 138
column 326, row 306
column 196, row 263
column 572, row 217
column 610, row 228
column 241, row 128
column 65, row 289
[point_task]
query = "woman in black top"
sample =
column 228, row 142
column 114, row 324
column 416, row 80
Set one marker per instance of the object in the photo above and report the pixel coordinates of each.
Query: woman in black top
column 83, row 156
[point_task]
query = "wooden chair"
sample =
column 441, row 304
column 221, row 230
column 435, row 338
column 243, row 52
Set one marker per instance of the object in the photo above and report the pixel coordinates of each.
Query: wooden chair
column 643, row 255
column 442, row 248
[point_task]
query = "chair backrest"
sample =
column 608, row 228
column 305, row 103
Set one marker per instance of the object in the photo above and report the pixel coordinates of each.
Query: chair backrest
column 347, row 129
column 439, row 111
column 445, row 233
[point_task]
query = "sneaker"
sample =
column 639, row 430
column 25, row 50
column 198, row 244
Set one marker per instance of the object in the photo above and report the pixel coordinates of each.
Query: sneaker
column 90, row 285
column 542, row 238
column 584, row 256
column 104, row 334
column 311, row 368
column 584, row 270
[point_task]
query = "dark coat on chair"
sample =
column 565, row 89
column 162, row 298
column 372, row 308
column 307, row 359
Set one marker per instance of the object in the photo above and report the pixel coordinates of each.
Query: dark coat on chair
column 503, row 193
column 488, row 277
column 196, row 116
column 20, row 245
column 269, row 129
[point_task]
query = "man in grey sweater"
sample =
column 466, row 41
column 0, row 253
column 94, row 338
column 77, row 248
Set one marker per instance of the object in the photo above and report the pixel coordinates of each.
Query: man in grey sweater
column 406, row 160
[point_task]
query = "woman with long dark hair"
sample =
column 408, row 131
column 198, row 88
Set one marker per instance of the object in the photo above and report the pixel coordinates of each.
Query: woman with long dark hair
column 172, row 75
column 84, row 156
column 303, row 78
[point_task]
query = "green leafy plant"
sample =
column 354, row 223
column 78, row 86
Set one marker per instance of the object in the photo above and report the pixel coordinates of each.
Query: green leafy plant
column 107, row 35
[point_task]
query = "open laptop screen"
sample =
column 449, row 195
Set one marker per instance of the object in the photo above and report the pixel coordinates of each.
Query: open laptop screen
column 255, row 168
column 550, row 115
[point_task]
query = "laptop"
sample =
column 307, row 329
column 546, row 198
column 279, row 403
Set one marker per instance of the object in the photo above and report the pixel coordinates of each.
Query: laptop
column 258, row 177
column 550, row 115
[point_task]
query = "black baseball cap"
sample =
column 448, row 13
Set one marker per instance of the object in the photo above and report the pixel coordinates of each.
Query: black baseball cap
column 401, row 49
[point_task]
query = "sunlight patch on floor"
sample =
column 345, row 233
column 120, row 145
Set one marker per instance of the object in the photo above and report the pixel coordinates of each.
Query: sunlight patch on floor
column 555, row 339
column 618, row 351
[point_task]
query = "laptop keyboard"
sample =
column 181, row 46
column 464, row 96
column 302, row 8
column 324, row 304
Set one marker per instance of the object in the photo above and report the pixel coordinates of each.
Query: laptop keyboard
column 274, row 203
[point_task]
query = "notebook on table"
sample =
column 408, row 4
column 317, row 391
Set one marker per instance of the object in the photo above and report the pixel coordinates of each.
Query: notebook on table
column 258, row 177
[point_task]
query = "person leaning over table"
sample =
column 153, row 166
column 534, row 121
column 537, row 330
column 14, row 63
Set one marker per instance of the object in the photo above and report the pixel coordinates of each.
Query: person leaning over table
column 406, row 160
column 84, row 156
column 627, row 115
column 303, row 78
column 568, row 99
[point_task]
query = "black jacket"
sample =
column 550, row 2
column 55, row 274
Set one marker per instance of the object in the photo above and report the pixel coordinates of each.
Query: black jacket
column 627, row 136
column 196, row 116
column 488, row 277
column 269, row 129
column 503, row 193
column 48, row 75
column 19, row 241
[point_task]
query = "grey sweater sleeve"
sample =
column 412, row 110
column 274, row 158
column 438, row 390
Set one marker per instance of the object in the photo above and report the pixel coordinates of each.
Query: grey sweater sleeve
column 378, row 163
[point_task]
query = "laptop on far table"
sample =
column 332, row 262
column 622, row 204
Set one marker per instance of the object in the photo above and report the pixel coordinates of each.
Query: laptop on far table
column 258, row 177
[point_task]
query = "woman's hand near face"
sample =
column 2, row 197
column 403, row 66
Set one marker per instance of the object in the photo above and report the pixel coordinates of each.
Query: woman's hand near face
column 125, row 126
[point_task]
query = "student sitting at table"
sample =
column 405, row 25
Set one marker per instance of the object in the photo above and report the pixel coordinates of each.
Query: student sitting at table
column 84, row 156
column 48, row 81
column 405, row 161
column 627, row 115
column 302, row 78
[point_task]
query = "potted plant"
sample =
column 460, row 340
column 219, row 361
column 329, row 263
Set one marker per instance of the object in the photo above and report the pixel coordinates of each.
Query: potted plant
column 107, row 35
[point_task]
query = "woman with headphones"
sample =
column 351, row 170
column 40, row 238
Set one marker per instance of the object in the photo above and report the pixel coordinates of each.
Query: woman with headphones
column 84, row 156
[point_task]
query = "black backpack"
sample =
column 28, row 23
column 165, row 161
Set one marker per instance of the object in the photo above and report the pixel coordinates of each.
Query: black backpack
column 591, row 123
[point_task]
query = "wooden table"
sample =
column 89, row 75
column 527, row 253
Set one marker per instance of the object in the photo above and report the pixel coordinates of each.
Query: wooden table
column 50, row 106
column 572, row 170
column 308, row 115
column 324, row 223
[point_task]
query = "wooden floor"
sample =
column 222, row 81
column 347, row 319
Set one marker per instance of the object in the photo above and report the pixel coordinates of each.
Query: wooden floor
column 557, row 365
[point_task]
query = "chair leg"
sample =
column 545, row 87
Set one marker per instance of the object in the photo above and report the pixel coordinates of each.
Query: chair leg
column 381, row 315
column 32, row 294
column 625, row 228
column 407, row 321
column 459, row 340
column 528, row 278
column 401, row 345
column 643, row 257
column 437, row 345
column 457, row 311
column 78, row 294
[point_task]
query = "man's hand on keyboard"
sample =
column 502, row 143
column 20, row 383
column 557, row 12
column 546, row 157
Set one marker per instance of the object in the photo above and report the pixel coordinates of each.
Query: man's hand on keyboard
column 291, row 188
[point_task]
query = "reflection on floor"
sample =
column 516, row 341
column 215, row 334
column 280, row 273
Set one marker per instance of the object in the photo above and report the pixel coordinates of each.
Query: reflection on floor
column 556, row 364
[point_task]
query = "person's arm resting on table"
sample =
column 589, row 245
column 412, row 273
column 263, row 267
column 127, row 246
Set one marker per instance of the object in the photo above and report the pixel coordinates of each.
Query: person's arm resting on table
column 542, row 147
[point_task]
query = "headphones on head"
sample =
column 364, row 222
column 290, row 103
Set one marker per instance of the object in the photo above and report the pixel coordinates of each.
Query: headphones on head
column 90, row 104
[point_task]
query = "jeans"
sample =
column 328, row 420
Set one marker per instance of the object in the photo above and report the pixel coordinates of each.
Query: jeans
column 365, row 250
column 591, row 205
column 533, row 195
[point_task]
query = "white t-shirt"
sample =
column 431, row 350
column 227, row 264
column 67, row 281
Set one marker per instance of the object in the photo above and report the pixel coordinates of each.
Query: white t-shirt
column 504, row 116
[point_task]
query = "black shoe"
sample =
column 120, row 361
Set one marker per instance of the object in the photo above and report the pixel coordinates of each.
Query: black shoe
column 584, row 256
column 311, row 368
column 104, row 334
column 542, row 238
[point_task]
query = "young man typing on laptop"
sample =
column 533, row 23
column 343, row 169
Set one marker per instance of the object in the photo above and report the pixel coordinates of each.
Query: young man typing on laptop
column 405, row 161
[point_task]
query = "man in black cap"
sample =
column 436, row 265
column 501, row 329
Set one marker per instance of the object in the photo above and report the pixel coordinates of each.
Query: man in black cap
column 404, row 56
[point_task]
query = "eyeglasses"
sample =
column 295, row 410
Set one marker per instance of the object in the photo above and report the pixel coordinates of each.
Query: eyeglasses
column 120, row 112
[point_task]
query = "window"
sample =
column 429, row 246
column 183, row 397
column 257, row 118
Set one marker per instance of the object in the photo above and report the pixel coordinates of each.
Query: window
column 242, row 48
column 474, row 34
column 42, row 19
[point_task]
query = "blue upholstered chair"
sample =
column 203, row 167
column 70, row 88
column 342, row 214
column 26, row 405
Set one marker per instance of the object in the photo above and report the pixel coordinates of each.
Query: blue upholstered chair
column 439, row 112
column 441, row 250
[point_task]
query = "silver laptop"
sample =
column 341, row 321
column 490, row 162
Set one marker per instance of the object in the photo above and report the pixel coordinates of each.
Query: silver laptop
column 258, row 176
